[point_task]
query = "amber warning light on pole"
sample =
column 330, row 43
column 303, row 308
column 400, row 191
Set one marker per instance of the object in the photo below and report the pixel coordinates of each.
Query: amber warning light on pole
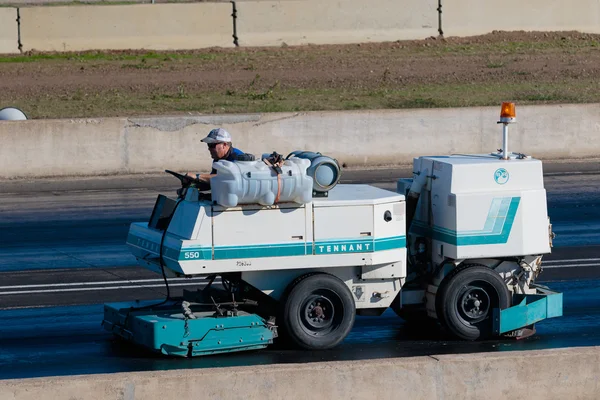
column 508, row 114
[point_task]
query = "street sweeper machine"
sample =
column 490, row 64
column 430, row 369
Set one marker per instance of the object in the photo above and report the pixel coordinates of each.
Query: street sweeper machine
column 291, row 254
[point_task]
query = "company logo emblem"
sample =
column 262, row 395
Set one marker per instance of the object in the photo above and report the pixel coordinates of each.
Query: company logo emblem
column 501, row 176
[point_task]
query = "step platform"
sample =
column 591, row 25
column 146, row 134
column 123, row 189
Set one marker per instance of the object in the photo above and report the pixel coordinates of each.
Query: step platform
column 189, row 330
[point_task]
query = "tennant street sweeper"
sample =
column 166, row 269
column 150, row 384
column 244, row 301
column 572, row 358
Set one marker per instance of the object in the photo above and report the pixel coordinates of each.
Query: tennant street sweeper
column 290, row 254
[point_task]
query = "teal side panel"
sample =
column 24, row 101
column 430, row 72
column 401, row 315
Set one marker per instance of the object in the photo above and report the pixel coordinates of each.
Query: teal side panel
column 168, row 332
column 362, row 245
column 555, row 305
column 366, row 245
column 344, row 246
column 507, row 222
column 397, row 242
column 195, row 253
column 258, row 251
column 529, row 310
column 149, row 245
column 496, row 230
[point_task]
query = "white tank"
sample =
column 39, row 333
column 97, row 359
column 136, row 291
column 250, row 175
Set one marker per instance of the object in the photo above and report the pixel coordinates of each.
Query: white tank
column 254, row 182
column 12, row 114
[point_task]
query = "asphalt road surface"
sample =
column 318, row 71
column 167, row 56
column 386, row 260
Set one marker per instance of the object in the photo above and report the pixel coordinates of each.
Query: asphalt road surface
column 62, row 255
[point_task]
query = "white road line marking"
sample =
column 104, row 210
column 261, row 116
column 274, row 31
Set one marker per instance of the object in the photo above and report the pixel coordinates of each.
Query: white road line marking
column 132, row 281
column 82, row 289
column 571, row 260
column 133, row 284
column 570, row 265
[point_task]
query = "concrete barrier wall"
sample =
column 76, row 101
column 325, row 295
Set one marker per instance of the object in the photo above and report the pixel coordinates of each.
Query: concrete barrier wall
column 272, row 23
column 548, row 374
column 39, row 148
column 146, row 26
column 476, row 17
column 9, row 34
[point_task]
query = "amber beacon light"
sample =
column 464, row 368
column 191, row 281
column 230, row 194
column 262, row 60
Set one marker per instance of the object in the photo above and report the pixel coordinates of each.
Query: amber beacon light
column 508, row 115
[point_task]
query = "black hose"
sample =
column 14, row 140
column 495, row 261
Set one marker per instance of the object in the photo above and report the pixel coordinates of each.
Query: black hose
column 162, row 268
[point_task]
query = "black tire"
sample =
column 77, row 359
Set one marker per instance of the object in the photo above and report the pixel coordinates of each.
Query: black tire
column 318, row 312
column 466, row 299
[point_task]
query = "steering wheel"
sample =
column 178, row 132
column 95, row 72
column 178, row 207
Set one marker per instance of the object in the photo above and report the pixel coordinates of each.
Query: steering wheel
column 186, row 181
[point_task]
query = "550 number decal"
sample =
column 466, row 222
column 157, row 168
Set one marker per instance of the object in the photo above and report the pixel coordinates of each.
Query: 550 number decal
column 191, row 255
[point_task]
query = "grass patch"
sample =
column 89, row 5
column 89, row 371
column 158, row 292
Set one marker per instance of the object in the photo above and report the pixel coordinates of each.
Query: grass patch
column 182, row 99
column 495, row 64
column 515, row 47
column 550, row 97
column 252, row 58
column 93, row 56
column 307, row 78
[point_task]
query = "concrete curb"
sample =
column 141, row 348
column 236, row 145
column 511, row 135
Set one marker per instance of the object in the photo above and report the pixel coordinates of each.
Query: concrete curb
column 357, row 139
column 569, row 373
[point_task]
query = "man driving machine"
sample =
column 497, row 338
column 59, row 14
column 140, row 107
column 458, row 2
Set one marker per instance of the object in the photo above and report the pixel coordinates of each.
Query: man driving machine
column 220, row 147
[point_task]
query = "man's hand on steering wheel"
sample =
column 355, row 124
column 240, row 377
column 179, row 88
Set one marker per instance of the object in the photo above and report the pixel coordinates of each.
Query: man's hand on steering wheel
column 204, row 178
column 185, row 180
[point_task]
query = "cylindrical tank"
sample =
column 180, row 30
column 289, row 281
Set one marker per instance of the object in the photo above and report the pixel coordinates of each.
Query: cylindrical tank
column 325, row 171
column 254, row 182
column 12, row 114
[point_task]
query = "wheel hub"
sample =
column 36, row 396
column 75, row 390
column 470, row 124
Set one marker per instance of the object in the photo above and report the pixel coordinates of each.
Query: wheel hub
column 474, row 303
column 318, row 313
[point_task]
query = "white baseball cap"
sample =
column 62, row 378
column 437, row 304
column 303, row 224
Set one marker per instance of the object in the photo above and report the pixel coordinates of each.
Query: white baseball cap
column 217, row 135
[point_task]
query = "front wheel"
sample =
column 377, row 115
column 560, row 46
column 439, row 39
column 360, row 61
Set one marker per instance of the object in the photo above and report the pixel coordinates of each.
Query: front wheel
column 466, row 299
column 318, row 312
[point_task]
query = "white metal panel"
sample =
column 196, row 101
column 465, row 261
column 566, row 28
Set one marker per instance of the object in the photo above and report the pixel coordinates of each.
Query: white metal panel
column 512, row 224
column 333, row 223
column 482, row 228
column 308, row 228
column 386, row 271
column 186, row 220
column 206, row 267
column 240, row 231
column 482, row 206
column 535, row 238
column 397, row 225
column 477, row 173
column 203, row 228
column 389, row 235
column 144, row 243
column 443, row 210
column 474, row 209
column 353, row 195
column 426, row 167
column 389, row 256
column 202, row 246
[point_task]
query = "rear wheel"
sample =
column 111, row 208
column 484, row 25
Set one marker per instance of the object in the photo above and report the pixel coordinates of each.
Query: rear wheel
column 318, row 312
column 466, row 299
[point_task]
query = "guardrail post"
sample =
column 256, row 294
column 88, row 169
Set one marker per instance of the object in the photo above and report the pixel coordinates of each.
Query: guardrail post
column 19, row 44
column 234, row 17
column 439, row 10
